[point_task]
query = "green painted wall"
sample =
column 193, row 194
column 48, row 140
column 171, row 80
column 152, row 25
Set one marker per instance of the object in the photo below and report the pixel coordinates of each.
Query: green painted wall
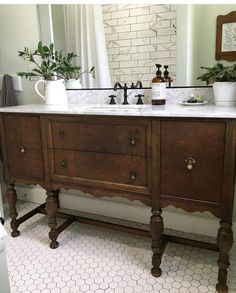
column 19, row 27
column 205, row 34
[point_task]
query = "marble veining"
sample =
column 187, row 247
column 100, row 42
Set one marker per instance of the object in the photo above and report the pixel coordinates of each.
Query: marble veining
column 101, row 96
column 96, row 102
column 135, row 35
column 168, row 110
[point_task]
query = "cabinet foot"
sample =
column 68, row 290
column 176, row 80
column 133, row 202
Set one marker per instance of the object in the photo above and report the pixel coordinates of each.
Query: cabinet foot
column 15, row 233
column 221, row 288
column 11, row 197
column 156, row 272
column 51, row 207
column 156, row 228
column 54, row 244
column 225, row 242
column 53, row 236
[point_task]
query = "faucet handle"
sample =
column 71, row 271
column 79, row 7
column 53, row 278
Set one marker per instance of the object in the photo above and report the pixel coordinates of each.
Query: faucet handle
column 139, row 101
column 112, row 101
column 132, row 86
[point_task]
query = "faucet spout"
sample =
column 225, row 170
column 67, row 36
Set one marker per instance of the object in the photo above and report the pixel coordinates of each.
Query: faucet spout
column 125, row 88
column 116, row 85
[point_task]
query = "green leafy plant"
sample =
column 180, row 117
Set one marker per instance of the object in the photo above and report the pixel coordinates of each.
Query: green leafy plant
column 45, row 60
column 51, row 64
column 68, row 70
column 218, row 72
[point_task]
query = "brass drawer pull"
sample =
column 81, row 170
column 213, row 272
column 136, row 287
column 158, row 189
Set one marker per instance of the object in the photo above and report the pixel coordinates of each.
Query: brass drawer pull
column 190, row 163
column 133, row 175
column 61, row 134
column 23, row 149
column 64, row 163
column 133, row 139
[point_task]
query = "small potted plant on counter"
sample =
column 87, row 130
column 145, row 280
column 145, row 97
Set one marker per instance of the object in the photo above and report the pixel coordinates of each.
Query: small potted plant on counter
column 72, row 73
column 46, row 62
column 223, row 79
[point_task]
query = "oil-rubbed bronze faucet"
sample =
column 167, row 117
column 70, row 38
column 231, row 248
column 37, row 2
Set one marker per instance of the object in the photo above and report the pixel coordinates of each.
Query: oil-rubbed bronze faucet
column 125, row 88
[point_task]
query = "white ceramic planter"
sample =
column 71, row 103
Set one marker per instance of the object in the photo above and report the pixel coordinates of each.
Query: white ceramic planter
column 73, row 84
column 224, row 93
column 55, row 92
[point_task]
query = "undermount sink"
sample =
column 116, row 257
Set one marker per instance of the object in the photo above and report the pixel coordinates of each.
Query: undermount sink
column 119, row 107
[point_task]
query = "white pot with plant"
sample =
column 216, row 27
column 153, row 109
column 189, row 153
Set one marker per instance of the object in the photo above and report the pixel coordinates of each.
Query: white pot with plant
column 72, row 73
column 46, row 61
column 223, row 79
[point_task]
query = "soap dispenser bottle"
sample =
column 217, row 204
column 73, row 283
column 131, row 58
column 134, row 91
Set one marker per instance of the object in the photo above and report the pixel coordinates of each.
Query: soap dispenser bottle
column 158, row 88
column 167, row 78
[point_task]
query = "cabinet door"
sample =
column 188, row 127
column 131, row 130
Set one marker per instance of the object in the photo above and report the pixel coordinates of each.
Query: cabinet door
column 23, row 145
column 192, row 158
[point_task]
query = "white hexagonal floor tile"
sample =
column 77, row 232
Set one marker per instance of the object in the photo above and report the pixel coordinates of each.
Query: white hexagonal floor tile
column 93, row 259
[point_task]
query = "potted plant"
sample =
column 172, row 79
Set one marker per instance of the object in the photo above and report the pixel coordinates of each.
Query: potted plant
column 46, row 61
column 223, row 79
column 72, row 73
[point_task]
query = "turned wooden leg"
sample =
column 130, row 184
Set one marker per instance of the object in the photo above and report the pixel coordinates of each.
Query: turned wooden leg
column 11, row 199
column 51, row 206
column 156, row 227
column 225, row 242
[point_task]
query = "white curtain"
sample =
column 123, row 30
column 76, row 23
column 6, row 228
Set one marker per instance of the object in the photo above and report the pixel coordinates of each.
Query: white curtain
column 85, row 37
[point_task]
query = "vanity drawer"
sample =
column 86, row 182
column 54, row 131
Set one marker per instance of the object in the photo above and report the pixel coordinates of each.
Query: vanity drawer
column 129, row 170
column 192, row 159
column 24, row 150
column 100, row 137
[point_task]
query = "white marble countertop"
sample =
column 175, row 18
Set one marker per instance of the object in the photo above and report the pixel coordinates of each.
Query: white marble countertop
column 168, row 110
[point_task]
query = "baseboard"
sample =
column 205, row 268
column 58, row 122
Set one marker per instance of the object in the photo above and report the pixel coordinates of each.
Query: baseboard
column 190, row 223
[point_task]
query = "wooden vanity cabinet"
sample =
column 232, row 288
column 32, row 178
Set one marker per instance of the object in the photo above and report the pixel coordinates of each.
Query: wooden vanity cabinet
column 188, row 163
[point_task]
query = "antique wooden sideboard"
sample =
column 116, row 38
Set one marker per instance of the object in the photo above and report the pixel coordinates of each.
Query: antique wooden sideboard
column 182, row 161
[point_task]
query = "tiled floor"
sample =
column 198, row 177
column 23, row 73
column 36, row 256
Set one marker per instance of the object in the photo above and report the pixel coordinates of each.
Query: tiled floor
column 91, row 259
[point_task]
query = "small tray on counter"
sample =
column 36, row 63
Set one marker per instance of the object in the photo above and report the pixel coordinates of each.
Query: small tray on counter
column 186, row 103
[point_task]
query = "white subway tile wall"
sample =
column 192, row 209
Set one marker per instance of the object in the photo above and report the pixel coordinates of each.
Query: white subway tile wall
column 138, row 37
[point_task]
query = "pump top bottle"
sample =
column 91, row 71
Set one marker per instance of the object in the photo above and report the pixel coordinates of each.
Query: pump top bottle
column 158, row 88
column 167, row 78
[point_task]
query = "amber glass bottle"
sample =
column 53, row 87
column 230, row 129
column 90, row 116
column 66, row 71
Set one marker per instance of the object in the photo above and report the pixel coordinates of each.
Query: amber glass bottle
column 158, row 88
column 167, row 78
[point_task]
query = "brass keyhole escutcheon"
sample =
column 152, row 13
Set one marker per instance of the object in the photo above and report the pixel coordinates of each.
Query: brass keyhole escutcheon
column 133, row 175
column 23, row 149
column 133, row 138
column 64, row 163
column 190, row 163
column 61, row 134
